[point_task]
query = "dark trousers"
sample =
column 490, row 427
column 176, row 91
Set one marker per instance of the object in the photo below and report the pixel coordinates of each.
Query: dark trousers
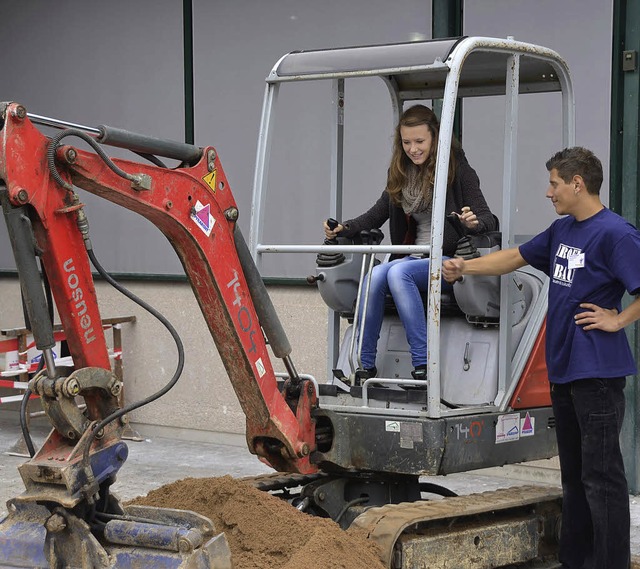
column 595, row 511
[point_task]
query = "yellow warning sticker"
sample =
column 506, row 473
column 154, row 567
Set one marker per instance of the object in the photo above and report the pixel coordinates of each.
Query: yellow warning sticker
column 210, row 180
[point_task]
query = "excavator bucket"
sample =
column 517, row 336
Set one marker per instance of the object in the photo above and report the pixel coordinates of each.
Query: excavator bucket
column 33, row 536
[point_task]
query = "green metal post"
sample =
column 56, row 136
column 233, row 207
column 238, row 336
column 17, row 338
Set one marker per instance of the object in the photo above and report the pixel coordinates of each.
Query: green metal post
column 187, row 35
column 624, row 178
column 446, row 22
column 446, row 18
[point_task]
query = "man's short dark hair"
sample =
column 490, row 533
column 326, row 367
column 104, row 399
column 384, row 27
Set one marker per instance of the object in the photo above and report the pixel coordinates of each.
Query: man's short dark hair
column 578, row 161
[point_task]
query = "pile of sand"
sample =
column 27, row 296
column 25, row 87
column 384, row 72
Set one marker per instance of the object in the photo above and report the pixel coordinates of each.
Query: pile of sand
column 265, row 532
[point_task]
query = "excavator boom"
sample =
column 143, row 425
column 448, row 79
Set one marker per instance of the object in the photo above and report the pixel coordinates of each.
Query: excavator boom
column 194, row 208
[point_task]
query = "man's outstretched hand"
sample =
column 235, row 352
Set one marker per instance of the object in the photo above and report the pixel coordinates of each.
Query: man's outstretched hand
column 452, row 269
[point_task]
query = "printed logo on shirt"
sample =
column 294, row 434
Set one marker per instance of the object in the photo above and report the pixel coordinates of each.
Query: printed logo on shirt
column 564, row 267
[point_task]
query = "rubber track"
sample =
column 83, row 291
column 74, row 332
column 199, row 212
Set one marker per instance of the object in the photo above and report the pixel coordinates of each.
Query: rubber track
column 384, row 524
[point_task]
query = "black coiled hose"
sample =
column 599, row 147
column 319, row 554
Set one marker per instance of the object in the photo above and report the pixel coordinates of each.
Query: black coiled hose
column 24, row 427
column 51, row 152
column 55, row 142
column 174, row 334
column 26, row 435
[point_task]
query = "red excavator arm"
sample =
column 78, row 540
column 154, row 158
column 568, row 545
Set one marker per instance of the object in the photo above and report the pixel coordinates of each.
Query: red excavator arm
column 194, row 208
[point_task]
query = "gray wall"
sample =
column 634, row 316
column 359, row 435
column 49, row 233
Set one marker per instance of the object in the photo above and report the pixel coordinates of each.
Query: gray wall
column 116, row 63
column 120, row 63
column 580, row 31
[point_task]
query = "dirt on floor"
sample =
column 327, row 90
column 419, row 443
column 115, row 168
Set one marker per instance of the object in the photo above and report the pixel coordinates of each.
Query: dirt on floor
column 265, row 532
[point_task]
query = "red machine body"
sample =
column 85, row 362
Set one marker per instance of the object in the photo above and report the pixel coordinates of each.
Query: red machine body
column 195, row 209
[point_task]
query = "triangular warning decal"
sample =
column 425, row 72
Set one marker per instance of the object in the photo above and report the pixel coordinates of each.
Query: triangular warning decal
column 210, row 180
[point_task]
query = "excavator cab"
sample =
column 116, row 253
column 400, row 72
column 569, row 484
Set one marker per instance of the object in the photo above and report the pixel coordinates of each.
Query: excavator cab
column 485, row 353
column 486, row 401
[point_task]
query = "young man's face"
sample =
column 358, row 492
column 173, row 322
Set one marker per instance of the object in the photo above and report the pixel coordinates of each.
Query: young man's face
column 563, row 195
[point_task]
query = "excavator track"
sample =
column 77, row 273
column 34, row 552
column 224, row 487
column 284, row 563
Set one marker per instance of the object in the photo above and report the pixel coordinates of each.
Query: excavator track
column 502, row 528
column 498, row 527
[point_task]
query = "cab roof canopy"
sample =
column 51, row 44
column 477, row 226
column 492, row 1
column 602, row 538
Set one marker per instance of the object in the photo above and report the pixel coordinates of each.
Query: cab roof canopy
column 419, row 70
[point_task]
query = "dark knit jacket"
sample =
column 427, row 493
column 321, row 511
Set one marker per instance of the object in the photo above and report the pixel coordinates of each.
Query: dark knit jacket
column 463, row 191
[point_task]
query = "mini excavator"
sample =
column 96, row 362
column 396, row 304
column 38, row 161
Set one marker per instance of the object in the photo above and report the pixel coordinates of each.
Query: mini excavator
column 352, row 453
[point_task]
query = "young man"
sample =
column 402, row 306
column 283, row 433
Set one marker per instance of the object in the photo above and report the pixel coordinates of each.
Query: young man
column 591, row 256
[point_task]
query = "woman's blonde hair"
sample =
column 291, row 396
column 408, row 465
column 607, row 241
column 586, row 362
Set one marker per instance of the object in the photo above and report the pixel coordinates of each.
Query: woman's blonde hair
column 398, row 169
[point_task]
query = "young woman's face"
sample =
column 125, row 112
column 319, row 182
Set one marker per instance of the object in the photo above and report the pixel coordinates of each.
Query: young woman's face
column 416, row 142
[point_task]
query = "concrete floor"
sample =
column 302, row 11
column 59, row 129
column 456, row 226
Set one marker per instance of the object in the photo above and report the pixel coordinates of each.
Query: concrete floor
column 156, row 460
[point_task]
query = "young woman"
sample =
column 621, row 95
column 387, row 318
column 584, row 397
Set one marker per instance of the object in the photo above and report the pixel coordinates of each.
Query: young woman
column 406, row 203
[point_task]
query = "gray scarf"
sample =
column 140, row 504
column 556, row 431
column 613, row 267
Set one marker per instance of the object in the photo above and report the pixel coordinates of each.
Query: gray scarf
column 413, row 200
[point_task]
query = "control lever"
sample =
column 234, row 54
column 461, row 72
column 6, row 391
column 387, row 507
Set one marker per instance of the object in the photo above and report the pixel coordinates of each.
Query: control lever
column 332, row 223
column 454, row 220
column 313, row 279
column 376, row 236
column 328, row 259
column 464, row 247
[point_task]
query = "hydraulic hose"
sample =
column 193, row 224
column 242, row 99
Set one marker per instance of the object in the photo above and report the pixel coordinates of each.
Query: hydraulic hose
column 55, row 142
column 51, row 152
column 348, row 505
column 174, row 334
column 26, row 435
column 37, row 308
column 24, row 427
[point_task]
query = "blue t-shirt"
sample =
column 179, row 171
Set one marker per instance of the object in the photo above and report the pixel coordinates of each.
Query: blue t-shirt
column 594, row 261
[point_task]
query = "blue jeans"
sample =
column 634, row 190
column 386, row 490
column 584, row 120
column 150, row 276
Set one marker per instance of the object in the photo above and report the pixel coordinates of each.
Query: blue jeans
column 595, row 511
column 406, row 279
